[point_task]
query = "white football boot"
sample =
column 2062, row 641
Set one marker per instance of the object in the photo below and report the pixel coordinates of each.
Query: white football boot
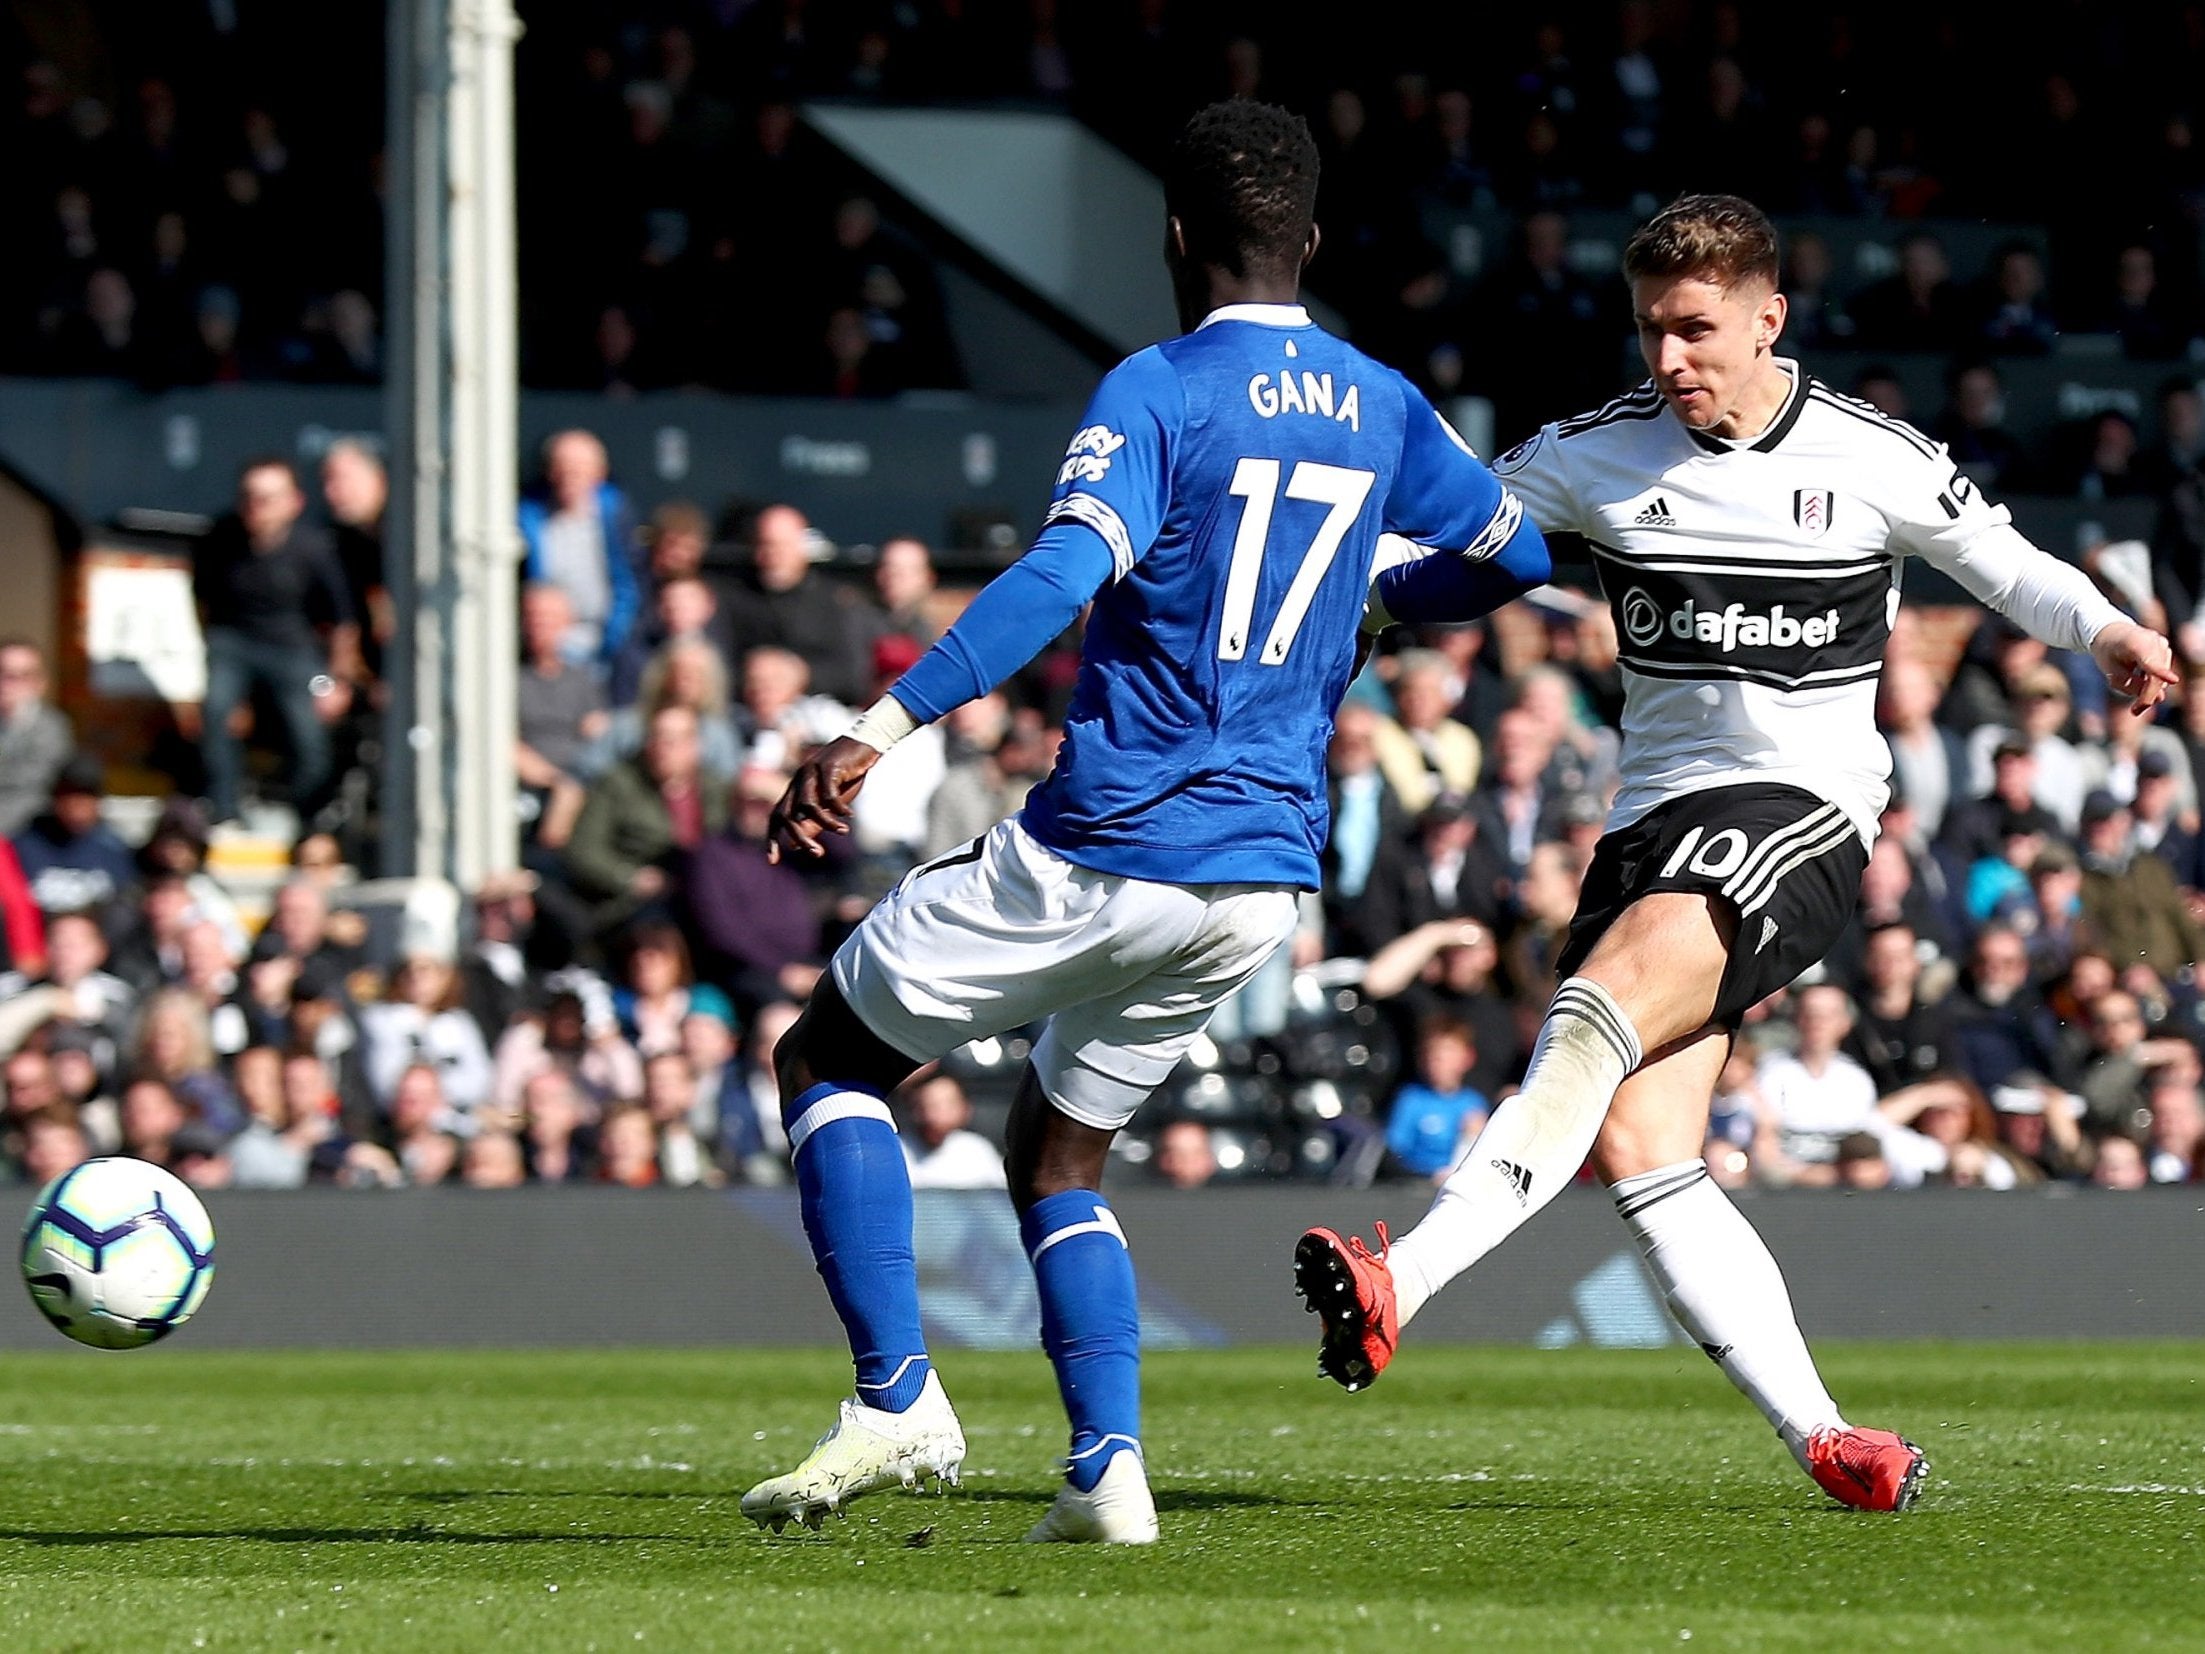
column 867, row 1450
column 1118, row 1511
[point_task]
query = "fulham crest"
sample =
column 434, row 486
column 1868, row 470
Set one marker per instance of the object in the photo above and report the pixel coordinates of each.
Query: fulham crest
column 1811, row 511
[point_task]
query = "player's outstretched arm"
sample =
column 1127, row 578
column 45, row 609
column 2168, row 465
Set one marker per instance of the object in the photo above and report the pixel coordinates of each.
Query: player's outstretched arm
column 1453, row 587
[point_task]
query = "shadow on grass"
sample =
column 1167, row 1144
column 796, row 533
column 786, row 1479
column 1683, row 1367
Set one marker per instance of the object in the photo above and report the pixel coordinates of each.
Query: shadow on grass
column 333, row 1536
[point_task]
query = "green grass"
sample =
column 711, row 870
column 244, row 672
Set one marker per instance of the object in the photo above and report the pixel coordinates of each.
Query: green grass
column 1501, row 1498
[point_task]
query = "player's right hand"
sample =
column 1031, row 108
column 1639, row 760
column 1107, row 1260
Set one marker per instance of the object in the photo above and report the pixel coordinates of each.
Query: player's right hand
column 2136, row 662
column 818, row 799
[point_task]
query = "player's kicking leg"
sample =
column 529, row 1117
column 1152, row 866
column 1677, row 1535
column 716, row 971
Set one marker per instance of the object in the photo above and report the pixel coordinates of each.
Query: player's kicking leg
column 1090, row 1320
column 1721, row 1283
column 898, row 1427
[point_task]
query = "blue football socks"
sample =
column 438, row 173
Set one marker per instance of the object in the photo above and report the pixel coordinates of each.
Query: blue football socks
column 856, row 1200
column 1090, row 1324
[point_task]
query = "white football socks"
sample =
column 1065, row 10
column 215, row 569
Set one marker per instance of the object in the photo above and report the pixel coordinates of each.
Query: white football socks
column 1529, row 1150
column 1726, row 1291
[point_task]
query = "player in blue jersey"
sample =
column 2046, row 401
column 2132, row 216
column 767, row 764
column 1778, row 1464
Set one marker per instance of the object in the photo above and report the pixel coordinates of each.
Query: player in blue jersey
column 1220, row 507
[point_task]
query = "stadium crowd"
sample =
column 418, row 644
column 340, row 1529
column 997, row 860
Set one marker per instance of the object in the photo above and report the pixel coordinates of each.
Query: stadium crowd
column 2016, row 999
column 198, row 212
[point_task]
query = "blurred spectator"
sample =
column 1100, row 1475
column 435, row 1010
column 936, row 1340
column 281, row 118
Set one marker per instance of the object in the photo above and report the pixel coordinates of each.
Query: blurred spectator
column 1928, row 762
column 1184, row 1158
column 682, row 609
column 265, row 579
column 2177, row 1131
column 422, row 1024
column 570, row 1037
column 1518, row 805
column 1445, row 871
column 1815, row 320
column 71, row 859
column 669, row 1100
column 2130, row 901
column 493, row 1160
column 1815, row 1097
column 304, row 929
column 641, row 820
column 1549, row 336
column 2037, row 1123
column 2042, row 705
column 1432, row 1118
column 627, row 1149
column 1367, row 815
column 1917, row 308
column 175, row 1047
column 1861, row 1164
column 152, row 1116
column 782, row 718
column 53, row 1143
column 580, row 536
column 687, row 672
column 903, row 586
column 2150, row 328
column 941, row 1148
column 423, row 1127
column 655, row 995
column 274, row 1149
column 76, row 987
column 562, row 712
column 497, row 970
column 177, row 847
column 1446, row 970
column 1423, row 751
column 983, row 779
column 2015, row 313
column 757, row 934
column 784, row 602
column 1899, row 1039
column 2120, row 1165
column 2107, row 463
column 1979, row 830
column 356, row 493
column 552, row 1131
column 35, row 737
column 1973, row 427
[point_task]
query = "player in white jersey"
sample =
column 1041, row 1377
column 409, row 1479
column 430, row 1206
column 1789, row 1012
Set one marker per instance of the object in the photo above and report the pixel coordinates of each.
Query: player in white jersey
column 1747, row 524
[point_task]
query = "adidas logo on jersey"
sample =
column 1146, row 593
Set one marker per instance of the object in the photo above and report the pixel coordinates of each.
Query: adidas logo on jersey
column 1768, row 933
column 1655, row 515
column 1519, row 1179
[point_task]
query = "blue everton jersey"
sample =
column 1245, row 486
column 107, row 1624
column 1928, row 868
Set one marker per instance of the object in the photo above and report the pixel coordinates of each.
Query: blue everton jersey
column 1240, row 476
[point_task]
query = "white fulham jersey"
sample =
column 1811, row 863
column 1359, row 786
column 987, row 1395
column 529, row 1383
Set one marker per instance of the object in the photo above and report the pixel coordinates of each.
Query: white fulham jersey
column 1754, row 582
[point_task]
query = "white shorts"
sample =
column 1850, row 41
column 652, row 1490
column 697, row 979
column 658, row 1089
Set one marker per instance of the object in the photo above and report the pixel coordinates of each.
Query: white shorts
column 1006, row 931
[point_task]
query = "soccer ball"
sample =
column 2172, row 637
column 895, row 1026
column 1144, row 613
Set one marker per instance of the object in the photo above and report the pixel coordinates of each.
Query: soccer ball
column 117, row 1253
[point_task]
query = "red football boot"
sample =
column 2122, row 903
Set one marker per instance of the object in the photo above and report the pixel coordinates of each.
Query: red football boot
column 1351, row 1289
column 1867, row 1469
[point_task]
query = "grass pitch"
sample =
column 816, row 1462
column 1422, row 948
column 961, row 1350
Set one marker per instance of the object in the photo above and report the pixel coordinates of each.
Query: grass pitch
column 1497, row 1498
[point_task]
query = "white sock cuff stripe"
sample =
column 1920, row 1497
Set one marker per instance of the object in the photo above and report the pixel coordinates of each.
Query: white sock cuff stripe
column 1122, row 1440
column 1104, row 1222
column 843, row 1105
column 1630, row 1205
column 1582, row 997
column 895, row 1378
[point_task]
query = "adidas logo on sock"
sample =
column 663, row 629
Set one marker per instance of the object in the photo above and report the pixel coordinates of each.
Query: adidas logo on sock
column 1655, row 515
column 1519, row 1179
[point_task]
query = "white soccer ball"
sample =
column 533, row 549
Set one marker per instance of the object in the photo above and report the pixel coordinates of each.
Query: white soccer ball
column 117, row 1253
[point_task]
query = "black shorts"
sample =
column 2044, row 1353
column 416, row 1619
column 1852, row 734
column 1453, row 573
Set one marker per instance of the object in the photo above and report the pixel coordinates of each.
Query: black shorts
column 1787, row 863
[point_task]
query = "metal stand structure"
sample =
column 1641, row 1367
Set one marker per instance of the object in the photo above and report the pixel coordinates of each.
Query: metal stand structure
column 452, row 549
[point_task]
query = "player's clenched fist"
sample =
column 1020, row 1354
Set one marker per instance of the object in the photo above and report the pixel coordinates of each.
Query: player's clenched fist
column 818, row 798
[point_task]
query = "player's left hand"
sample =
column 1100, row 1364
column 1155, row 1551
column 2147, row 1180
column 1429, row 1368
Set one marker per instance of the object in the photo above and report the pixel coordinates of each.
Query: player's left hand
column 2137, row 662
column 818, row 799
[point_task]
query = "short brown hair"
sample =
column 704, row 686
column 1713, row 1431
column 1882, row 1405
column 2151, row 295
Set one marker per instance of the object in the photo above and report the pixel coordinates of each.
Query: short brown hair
column 1720, row 238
